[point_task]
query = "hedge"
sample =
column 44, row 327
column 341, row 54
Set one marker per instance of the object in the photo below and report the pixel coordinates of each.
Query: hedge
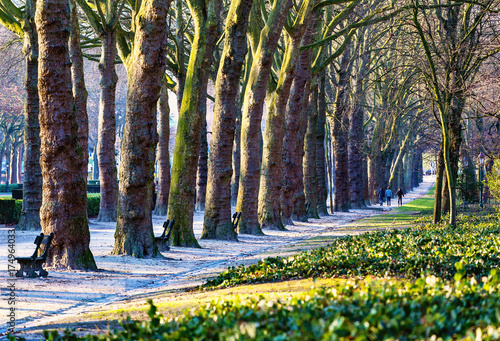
column 10, row 209
column 428, row 308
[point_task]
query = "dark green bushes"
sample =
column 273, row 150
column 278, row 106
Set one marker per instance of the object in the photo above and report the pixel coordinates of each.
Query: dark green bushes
column 403, row 253
column 10, row 209
column 357, row 310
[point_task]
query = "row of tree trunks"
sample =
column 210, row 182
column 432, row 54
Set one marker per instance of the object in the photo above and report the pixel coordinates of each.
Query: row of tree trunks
column 64, row 207
column 272, row 156
column 255, row 94
column 217, row 219
column 134, row 229
column 191, row 116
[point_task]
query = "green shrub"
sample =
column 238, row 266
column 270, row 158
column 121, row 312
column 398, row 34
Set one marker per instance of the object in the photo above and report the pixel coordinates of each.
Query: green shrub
column 7, row 211
column 93, row 201
column 428, row 308
column 10, row 209
column 403, row 253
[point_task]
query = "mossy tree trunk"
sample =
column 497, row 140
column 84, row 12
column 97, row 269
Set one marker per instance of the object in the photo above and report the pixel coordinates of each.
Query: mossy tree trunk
column 32, row 181
column 253, row 103
column 107, row 128
column 162, row 153
column 187, row 144
column 217, row 223
column 146, row 67
column 64, row 204
column 436, row 218
column 269, row 209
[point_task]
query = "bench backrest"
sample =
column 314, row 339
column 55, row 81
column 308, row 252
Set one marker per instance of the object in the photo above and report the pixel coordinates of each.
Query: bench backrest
column 171, row 227
column 165, row 228
column 42, row 242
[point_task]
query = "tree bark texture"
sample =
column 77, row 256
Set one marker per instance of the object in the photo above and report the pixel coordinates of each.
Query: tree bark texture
column 217, row 221
column 202, row 171
column 162, row 152
column 292, row 163
column 253, row 103
column 79, row 90
column 439, row 187
column 309, row 160
column 299, row 197
column 107, row 128
column 134, row 229
column 339, row 123
column 187, row 143
column 64, row 204
column 32, row 181
column 320, row 148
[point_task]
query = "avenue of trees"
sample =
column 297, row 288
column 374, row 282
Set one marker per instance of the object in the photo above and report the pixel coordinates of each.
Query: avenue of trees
column 315, row 104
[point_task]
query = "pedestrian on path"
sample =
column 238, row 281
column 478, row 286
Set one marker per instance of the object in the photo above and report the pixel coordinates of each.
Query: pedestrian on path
column 388, row 194
column 400, row 196
column 381, row 195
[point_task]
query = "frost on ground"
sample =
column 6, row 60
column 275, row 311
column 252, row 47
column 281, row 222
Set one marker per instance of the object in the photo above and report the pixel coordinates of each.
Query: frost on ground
column 66, row 293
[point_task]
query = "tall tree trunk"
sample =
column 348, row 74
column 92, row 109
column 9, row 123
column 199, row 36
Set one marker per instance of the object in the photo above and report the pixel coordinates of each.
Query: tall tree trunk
column 107, row 128
column 299, row 196
column 187, row 143
column 179, row 37
column 236, row 157
column 79, row 90
column 292, row 162
column 320, row 148
column 252, row 116
column 32, row 181
column 162, row 153
column 217, row 221
column 134, row 227
column 64, row 204
column 202, row 171
column 20, row 156
column 13, row 164
column 309, row 160
column 439, row 186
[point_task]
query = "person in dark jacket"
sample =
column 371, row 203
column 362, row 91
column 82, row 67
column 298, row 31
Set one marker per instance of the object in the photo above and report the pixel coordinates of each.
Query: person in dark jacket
column 400, row 196
column 388, row 194
column 381, row 195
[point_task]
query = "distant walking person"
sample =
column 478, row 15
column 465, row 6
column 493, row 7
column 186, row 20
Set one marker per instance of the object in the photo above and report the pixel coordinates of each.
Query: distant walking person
column 388, row 194
column 400, row 195
column 381, row 195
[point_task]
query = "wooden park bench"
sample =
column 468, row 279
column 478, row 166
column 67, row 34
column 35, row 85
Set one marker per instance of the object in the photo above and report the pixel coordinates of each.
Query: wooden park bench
column 164, row 239
column 30, row 265
column 236, row 219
